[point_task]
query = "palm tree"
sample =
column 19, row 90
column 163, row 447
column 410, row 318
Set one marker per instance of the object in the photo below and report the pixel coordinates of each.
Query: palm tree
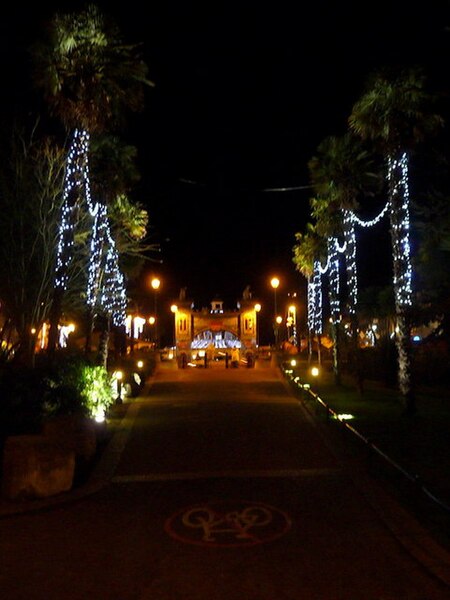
column 89, row 78
column 342, row 172
column 327, row 224
column 87, row 74
column 396, row 113
column 307, row 255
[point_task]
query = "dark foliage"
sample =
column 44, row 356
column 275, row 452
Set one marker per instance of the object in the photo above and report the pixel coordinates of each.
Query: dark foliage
column 28, row 395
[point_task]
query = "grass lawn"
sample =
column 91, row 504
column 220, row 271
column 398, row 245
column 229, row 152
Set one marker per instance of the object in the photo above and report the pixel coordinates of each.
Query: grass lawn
column 419, row 444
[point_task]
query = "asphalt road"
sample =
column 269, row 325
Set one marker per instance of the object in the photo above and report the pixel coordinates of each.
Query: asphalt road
column 218, row 485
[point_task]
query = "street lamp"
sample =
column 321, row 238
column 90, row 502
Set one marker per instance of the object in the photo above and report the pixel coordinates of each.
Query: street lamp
column 155, row 283
column 315, row 372
column 275, row 282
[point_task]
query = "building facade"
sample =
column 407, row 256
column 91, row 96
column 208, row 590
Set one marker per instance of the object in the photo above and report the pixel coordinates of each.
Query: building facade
column 215, row 330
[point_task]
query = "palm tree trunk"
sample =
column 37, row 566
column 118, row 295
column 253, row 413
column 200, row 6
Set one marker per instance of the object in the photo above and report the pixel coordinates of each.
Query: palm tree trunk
column 334, row 306
column 319, row 351
column 25, row 354
column 399, row 227
column 310, row 345
column 102, row 355
column 336, row 354
column 311, row 318
column 89, row 324
column 356, row 353
column 404, row 362
column 352, row 284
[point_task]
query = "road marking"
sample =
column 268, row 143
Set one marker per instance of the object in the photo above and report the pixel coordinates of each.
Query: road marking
column 234, row 474
column 228, row 523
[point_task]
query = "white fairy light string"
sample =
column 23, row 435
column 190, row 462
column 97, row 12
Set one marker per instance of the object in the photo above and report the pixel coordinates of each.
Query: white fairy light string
column 350, row 258
column 105, row 282
column 400, row 227
column 372, row 222
column 315, row 299
column 401, row 253
column 106, row 288
column 76, row 176
column 333, row 276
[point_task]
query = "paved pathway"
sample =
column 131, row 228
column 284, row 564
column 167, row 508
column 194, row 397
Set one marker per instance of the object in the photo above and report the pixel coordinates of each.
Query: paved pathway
column 220, row 487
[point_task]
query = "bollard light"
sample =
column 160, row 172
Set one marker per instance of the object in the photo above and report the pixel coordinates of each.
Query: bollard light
column 119, row 376
column 315, row 371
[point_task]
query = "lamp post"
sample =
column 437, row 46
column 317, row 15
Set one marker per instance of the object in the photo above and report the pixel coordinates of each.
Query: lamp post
column 151, row 322
column 292, row 311
column 275, row 282
column 174, row 310
column 257, row 309
column 119, row 376
column 155, row 283
column 278, row 321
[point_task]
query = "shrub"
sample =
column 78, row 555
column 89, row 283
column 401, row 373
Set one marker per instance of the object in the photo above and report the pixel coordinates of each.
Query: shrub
column 77, row 386
column 431, row 363
column 96, row 390
column 70, row 384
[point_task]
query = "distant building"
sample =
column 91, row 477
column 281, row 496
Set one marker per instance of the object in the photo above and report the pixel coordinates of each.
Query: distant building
column 197, row 330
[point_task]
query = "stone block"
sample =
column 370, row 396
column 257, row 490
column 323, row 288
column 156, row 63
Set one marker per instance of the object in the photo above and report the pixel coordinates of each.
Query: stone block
column 74, row 432
column 35, row 467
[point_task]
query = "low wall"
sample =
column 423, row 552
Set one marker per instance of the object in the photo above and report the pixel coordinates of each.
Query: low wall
column 35, row 466
column 42, row 465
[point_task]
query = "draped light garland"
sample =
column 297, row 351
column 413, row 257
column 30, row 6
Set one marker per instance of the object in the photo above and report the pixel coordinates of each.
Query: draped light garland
column 105, row 282
column 401, row 252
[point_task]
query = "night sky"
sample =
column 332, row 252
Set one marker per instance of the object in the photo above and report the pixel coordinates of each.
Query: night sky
column 243, row 98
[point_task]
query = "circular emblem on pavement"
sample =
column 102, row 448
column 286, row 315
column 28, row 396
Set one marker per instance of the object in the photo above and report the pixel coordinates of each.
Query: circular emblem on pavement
column 228, row 523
